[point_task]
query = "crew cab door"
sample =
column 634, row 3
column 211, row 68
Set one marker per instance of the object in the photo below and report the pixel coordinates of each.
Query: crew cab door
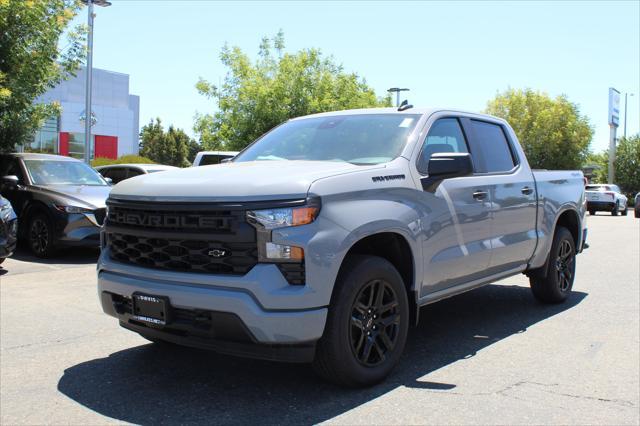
column 455, row 218
column 512, row 191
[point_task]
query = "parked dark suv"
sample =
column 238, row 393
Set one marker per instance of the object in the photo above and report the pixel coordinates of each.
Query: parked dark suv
column 8, row 229
column 60, row 201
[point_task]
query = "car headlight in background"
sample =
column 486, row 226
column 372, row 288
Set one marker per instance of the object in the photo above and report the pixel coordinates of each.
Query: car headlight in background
column 5, row 210
column 265, row 220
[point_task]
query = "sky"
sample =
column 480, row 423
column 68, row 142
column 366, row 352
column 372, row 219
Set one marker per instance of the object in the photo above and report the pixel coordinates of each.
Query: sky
column 450, row 54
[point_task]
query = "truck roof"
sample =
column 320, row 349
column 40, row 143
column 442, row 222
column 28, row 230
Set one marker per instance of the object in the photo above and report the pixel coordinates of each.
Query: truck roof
column 390, row 110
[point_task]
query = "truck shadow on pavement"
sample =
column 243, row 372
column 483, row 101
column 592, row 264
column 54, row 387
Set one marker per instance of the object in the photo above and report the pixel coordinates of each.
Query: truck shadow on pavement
column 152, row 384
column 67, row 256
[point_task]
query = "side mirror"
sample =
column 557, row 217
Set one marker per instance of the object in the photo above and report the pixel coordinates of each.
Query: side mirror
column 109, row 180
column 446, row 165
column 10, row 181
column 226, row 160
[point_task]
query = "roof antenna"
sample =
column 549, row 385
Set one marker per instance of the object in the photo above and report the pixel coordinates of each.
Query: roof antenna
column 404, row 105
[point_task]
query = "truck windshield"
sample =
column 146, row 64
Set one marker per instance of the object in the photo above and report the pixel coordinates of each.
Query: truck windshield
column 52, row 172
column 357, row 139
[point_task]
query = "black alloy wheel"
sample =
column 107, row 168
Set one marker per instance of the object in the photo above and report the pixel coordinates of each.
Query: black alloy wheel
column 375, row 321
column 40, row 236
column 553, row 282
column 367, row 323
column 565, row 266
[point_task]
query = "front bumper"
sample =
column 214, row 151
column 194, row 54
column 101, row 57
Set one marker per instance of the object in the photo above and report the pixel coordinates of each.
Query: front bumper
column 76, row 230
column 239, row 311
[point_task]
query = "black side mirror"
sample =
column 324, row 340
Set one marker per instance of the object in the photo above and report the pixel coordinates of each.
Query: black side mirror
column 10, row 181
column 446, row 165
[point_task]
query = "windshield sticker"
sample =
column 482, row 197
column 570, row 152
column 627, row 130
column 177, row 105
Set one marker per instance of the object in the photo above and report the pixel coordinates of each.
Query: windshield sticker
column 406, row 122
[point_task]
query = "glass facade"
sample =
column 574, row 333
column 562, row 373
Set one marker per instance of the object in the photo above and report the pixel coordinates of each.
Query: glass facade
column 46, row 139
column 76, row 145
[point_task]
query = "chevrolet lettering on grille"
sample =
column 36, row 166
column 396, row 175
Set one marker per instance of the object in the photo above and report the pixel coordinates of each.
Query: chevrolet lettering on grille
column 166, row 220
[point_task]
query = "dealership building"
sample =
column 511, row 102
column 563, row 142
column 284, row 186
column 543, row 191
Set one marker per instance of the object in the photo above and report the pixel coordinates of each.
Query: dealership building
column 115, row 114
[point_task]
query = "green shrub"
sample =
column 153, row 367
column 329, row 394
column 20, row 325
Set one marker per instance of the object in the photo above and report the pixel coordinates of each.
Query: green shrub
column 125, row 159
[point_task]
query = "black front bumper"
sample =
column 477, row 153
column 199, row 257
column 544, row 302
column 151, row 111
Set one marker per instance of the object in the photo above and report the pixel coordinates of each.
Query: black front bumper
column 222, row 332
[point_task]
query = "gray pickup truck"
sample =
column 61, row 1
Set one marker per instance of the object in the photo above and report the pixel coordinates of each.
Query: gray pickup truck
column 321, row 240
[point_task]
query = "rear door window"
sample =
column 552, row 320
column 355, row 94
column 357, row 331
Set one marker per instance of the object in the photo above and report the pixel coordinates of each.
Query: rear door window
column 490, row 147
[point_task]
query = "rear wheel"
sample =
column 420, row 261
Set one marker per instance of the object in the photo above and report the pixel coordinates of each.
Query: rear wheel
column 2, row 260
column 367, row 324
column 624, row 211
column 614, row 212
column 555, row 286
column 592, row 212
column 40, row 236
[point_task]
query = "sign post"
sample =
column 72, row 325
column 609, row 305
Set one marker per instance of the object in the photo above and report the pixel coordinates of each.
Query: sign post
column 614, row 120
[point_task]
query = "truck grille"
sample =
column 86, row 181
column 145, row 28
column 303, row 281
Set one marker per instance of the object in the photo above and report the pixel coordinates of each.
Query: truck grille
column 185, row 237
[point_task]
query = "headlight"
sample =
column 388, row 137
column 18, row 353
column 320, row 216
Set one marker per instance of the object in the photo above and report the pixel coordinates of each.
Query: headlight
column 71, row 209
column 5, row 210
column 280, row 218
column 268, row 219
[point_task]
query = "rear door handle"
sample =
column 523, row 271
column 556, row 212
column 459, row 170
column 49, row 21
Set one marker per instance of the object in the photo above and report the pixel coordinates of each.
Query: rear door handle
column 526, row 190
column 480, row 195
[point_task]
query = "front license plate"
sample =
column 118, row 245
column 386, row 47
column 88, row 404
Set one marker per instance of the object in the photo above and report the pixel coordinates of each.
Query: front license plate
column 151, row 309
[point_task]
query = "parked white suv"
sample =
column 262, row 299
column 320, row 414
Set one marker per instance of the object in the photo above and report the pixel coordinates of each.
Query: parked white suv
column 606, row 198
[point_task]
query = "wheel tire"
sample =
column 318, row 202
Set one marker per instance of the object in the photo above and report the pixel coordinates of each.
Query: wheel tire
column 592, row 212
column 369, row 296
column 40, row 236
column 2, row 259
column 636, row 212
column 614, row 212
column 624, row 211
column 555, row 286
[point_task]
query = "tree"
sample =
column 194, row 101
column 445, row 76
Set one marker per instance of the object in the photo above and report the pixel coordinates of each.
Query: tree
column 552, row 132
column 255, row 97
column 194, row 149
column 31, row 62
column 171, row 147
column 627, row 165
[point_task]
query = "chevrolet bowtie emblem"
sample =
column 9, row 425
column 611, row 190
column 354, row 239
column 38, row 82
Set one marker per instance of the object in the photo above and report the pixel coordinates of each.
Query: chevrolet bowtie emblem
column 217, row 253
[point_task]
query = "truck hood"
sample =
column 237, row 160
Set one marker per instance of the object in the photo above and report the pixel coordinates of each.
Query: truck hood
column 242, row 181
column 87, row 196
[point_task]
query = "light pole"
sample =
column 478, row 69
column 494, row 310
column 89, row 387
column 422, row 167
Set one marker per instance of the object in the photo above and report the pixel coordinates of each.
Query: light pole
column 89, row 70
column 397, row 90
column 624, row 133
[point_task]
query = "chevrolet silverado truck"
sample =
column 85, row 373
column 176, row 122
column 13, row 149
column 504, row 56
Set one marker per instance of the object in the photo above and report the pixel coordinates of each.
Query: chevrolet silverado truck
column 321, row 240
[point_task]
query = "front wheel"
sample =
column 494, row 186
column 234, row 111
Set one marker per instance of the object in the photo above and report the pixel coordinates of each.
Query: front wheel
column 624, row 211
column 555, row 286
column 40, row 236
column 367, row 323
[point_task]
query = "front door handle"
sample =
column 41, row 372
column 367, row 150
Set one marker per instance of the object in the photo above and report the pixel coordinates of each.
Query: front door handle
column 526, row 190
column 480, row 195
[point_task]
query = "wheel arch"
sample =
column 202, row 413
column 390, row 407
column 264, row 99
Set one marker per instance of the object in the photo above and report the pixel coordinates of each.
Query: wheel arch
column 33, row 207
column 394, row 247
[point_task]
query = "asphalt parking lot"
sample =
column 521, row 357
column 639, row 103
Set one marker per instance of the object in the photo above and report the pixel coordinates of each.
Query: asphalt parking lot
column 491, row 356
